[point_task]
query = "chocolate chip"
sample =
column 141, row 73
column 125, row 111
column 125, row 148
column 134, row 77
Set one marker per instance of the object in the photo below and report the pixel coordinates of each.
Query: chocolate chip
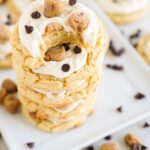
column 139, row 96
column 29, row 29
column 114, row 51
column 115, row 67
column 36, row 15
column 135, row 35
column 120, row 109
column 90, row 147
column 30, row 145
column 109, row 137
column 66, row 67
column 66, row 45
column 146, row 125
column 72, row 2
column 77, row 50
column 8, row 16
column 138, row 147
column 8, row 23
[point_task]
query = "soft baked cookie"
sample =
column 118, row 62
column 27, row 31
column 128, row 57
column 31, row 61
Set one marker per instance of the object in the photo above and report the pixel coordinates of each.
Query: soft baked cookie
column 49, row 124
column 124, row 11
column 16, row 7
column 143, row 47
column 58, row 51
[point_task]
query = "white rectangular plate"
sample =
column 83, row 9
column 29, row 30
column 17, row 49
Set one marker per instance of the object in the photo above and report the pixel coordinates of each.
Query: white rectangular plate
column 117, row 89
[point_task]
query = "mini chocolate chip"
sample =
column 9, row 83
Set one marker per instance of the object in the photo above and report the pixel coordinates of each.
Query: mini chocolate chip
column 90, row 147
column 66, row 45
column 138, row 147
column 109, row 137
column 29, row 29
column 77, row 50
column 36, row 15
column 135, row 35
column 146, row 125
column 114, row 51
column 66, row 67
column 120, row 109
column 31, row 144
column 8, row 23
column 143, row 147
column 72, row 2
column 115, row 67
column 139, row 96
column 8, row 16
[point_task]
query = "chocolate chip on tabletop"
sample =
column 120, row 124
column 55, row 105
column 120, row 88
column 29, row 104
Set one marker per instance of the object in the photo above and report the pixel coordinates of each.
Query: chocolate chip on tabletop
column 115, row 51
column 139, row 96
column 119, row 109
column 9, row 85
column 146, row 125
column 109, row 137
column 91, row 147
column 138, row 147
column 136, row 34
column 115, row 67
column 30, row 145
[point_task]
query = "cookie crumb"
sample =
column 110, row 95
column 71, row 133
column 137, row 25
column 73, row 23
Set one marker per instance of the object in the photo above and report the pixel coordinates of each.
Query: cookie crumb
column 110, row 146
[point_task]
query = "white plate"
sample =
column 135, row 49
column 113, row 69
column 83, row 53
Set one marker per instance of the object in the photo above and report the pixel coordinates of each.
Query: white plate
column 117, row 89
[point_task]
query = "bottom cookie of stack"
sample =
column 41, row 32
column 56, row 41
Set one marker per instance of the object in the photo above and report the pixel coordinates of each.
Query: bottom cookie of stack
column 51, row 120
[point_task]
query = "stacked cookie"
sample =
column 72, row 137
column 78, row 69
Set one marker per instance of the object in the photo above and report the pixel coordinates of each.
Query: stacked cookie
column 58, row 50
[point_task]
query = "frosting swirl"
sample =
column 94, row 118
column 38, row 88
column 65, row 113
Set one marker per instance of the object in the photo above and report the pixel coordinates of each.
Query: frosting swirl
column 31, row 36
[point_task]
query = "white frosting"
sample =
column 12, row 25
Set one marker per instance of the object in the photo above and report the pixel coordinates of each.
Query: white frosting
column 33, row 41
column 123, row 6
column 22, row 4
column 54, row 68
column 53, row 95
column 70, row 108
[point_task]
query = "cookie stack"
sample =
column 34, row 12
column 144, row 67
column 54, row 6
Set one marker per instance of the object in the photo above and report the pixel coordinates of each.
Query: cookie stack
column 58, row 50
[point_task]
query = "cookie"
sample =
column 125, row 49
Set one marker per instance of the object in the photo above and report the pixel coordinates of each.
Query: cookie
column 57, row 56
column 143, row 47
column 60, row 99
column 54, row 125
column 16, row 7
column 124, row 12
